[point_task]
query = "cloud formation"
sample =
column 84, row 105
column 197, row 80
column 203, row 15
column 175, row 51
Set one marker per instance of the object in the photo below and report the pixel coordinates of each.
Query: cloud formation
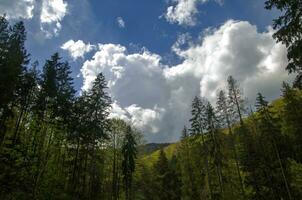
column 15, row 9
column 183, row 12
column 156, row 98
column 120, row 22
column 77, row 49
column 52, row 13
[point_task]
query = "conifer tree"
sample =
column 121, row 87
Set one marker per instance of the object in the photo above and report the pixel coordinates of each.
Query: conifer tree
column 272, row 159
column 225, row 114
column 98, row 105
column 292, row 115
column 163, row 180
column 129, row 151
column 13, row 61
column 198, row 127
column 184, row 134
column 236, row 101
column 215, row 152
column 6, row 73
column 236, row 105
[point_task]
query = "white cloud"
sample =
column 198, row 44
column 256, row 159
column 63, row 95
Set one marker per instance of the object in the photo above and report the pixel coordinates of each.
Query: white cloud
column 52, row 13
column 15, row 9
column 183, row 12
column 156, row 98
column 77, row 49
column 120, row 22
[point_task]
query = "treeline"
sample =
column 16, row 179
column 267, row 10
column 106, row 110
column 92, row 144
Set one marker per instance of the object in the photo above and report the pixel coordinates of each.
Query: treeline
column 55, row 144
column 230, row 152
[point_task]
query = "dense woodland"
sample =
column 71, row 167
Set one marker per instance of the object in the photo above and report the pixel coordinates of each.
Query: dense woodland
column 58, row 144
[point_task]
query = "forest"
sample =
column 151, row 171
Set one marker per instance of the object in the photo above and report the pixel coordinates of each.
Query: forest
column 58, row 144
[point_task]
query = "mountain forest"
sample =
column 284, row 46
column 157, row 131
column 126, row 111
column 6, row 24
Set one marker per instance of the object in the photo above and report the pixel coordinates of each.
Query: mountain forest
column 59, row 144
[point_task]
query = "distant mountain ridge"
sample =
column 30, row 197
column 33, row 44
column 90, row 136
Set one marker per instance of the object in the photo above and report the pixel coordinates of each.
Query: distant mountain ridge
column 151, row 147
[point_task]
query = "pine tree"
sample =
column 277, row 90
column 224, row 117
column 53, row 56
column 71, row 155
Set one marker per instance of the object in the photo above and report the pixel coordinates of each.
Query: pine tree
column 292, row 115
column 66, row 91
column 225, row 115
column 25, row 98
column 270, row 135
column 98, row 105
column 189, row 186
column 236, row 105
column 5, row 72
column 161, row 168
column 198, row 127
column 198, row 118
column 13, row 61
column 215, row 151
column 175, row 178
column 235, row 99
column 118, row 129
column 129, row 151
column 184, row 134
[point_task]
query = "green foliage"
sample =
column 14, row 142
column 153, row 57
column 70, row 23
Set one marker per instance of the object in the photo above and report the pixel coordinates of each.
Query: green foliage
column 128, row 164
column 56, row 145
column 289, row 29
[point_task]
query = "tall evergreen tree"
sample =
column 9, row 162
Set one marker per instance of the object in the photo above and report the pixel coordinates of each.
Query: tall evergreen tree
column 198, row 117
column 292, row 116
column 98, row 105
column 184, row 134
column 273, row 163
column 235, row 99
column 161, row 168
column 225, row 112
column 198, row 127
column 215, row 151
column 129, row 151
column 5, row 72
column 13, row 62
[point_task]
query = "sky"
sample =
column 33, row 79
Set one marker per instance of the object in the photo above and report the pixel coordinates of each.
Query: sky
column 157, row 54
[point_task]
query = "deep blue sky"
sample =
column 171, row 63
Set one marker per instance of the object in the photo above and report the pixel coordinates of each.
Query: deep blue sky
column 154, row 94
column 94, row 21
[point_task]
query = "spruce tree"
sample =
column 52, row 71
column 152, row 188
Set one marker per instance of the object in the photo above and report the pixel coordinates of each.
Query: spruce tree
column 236, row 101
column 184, row 134
column 215, row 151
column 6, row 73
column 129, row 151
column 292, row 116
column 198, row 127
column 273, row 162
column 225, row 112
column 197, row 117
column 162, row 170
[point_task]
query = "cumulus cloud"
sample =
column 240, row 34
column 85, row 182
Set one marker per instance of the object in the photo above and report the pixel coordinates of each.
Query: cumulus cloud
column 120, row 22
column 183, row 12
column 77, row 49
column 156, row 98
column 15, row 9
column 52, row 13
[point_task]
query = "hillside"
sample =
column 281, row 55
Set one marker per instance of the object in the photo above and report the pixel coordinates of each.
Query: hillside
column 151, row 147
